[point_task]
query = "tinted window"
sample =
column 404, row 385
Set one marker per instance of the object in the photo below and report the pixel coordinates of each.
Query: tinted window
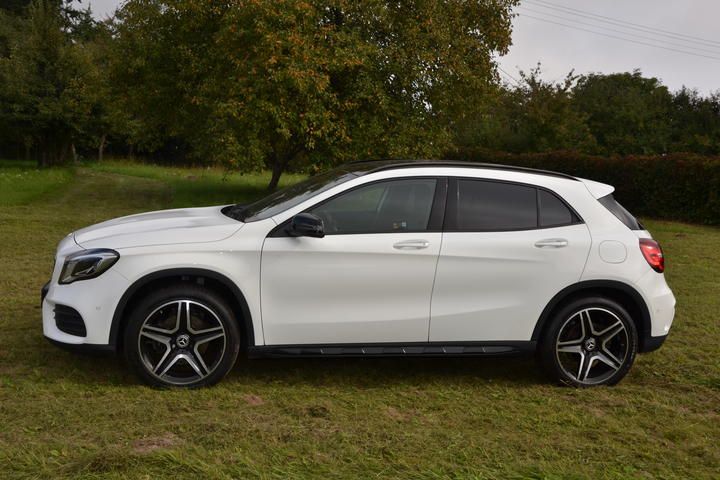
column 553, row 212
column 495, row 206
column 619, row 211
column 383, row 207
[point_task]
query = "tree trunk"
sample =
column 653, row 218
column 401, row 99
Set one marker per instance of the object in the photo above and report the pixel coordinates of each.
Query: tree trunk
column 74, row 153
column 101, row 147
column 277, row 170
column 62, row 151
column 42, row 157
column 281, row 158
column 43, row 152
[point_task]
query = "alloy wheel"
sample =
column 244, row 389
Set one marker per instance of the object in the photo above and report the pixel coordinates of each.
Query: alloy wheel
column 592, row 345
column 182, row 342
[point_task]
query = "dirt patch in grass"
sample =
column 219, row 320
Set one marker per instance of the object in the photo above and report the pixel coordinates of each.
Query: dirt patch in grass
column 151, row 444
column 254, row 400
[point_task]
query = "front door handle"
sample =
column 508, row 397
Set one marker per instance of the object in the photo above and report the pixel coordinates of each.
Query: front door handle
column 552, row 243
column 412, row 245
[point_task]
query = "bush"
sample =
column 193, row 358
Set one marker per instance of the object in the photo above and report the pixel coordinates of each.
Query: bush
column 679, row 186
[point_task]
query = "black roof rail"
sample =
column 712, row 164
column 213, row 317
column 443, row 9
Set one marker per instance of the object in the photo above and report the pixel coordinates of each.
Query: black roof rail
column 381, row 165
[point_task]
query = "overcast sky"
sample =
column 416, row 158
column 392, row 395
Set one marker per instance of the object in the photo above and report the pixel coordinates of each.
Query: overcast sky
column 560, row 37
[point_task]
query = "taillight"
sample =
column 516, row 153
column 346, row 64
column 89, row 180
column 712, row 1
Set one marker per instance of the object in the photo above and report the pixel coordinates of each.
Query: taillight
column 653, row 254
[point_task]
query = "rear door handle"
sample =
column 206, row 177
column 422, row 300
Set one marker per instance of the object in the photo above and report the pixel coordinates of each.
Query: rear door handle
column 411, row 245
column 552, row 243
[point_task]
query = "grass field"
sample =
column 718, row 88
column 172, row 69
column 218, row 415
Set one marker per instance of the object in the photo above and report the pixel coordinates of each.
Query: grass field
column 70, row 416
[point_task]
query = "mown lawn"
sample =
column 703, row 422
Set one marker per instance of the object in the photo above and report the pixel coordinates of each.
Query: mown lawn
column 69, row 416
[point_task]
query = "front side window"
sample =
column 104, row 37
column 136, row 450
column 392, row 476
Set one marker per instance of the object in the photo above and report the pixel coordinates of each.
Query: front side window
column 484, row 206
column 383, row 207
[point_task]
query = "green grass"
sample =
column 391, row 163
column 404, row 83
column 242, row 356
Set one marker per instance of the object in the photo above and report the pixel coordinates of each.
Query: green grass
column 69, row 416
column 20, row 183
column 198, row 186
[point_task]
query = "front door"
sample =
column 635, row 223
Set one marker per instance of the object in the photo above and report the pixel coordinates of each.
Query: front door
column 369, row 280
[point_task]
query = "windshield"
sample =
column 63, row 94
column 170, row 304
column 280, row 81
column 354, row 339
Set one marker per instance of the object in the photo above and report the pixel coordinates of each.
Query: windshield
column 289, row 197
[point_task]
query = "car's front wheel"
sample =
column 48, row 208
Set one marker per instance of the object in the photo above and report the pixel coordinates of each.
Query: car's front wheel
column 590, row 341
column 182, row 336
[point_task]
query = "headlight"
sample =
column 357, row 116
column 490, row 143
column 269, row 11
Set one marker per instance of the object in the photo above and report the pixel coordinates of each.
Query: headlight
column 87, row 264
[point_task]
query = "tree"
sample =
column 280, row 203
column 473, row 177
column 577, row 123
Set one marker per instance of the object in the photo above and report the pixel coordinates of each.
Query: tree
column 695, row 122
column 286, row 83
column 15, row 7
column 626, row 112
column 43, row 95
column 532, row 116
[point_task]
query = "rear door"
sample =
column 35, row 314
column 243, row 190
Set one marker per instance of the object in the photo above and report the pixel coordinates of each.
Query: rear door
column 507, row 249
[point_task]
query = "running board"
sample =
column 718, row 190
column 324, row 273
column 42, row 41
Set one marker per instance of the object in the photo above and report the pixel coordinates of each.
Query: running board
column 433, row 349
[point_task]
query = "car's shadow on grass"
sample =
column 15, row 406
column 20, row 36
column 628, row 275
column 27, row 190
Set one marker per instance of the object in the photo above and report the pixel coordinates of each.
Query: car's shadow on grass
column 349, row 372
column 379, row 372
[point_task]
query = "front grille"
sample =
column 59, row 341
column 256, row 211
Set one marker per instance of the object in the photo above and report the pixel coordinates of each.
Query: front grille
column 68, row 320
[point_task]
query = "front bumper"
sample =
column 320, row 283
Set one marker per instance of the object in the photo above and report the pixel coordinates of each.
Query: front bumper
column 94, row 301
column 84, row 348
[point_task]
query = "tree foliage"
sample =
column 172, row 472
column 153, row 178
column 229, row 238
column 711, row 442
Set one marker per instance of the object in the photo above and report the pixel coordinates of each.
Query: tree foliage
column 535, row 116
column 626, row 112
column 614, row 114
column 256, row 84
column 304, row 84
column 45, row 96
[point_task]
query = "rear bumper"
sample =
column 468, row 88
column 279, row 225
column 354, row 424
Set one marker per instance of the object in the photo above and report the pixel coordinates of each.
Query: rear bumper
column 650, row 344
column 660, row 302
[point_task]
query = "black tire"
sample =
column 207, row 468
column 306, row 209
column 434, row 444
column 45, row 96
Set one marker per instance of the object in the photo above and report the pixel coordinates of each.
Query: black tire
column 567, row 348
column 198, row 362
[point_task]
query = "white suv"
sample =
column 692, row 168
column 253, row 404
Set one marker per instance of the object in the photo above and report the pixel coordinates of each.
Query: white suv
column 374, row 258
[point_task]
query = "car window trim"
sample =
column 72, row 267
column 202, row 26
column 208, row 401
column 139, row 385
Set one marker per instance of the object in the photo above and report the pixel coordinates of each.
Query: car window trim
column 435, row 221
column 451, row 225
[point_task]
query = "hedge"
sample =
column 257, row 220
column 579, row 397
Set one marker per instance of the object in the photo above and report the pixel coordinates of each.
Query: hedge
column 683, row 187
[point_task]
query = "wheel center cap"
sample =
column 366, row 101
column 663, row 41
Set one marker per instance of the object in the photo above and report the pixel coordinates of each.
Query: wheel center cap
column 590, row 344
column 182, row 341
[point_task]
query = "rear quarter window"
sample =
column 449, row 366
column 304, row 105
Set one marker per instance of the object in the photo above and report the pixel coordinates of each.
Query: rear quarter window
column 609, row 202
column 553, row 211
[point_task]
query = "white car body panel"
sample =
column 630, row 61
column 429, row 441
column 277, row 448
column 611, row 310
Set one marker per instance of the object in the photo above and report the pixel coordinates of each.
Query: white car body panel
column 597, row 189
column 493, row 286
column 347, row 288
column 165, row 227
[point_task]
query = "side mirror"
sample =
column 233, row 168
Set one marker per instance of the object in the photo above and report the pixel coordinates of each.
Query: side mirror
column 306, row 225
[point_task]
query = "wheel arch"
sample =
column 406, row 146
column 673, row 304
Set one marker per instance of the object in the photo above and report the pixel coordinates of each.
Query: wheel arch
column 621, row 292
column 209, row 278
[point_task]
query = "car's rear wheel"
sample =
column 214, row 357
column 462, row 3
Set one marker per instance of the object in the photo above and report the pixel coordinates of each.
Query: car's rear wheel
column 590, row 341
column 182, row 336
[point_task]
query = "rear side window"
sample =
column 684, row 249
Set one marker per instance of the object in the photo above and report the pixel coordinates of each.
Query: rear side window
column 494, row 206
column 609, row 202
column 553, row 211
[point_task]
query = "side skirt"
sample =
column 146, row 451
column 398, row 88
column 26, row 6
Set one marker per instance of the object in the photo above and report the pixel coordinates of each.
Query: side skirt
column 422, row 349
